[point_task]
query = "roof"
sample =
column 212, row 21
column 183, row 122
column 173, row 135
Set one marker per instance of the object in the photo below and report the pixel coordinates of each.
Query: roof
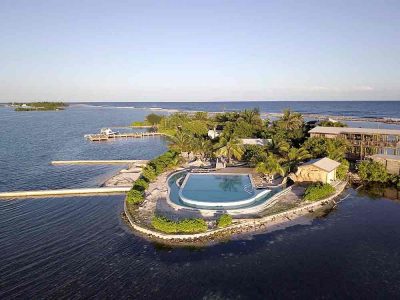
column 260, row 142
column 339, row 130
column 386, row 156
column 325, row 164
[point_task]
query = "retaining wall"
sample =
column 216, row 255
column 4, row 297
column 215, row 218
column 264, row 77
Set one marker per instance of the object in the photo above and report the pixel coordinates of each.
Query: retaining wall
column 246, row 226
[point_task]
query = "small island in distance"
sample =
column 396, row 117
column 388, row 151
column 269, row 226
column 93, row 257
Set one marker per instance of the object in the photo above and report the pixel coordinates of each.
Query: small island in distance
column 39, row 106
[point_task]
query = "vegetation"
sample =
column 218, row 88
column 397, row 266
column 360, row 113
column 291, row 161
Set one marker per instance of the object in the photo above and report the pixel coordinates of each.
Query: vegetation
column 320, row 147
column 270, row 166
column 166, row 225
column 40, row 106
column 139, row 123
column 135, row 197
column 343, row 169
column 230, row 147
column 153, row 119
column 318, row 191
column 141, row 184
column 155, row 167
column 224, row 221
column 372, row 171
column 288, row 145
column 327, row 123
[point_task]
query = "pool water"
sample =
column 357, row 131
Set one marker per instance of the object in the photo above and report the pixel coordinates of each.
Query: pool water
column 218, row 191
column 217, row 188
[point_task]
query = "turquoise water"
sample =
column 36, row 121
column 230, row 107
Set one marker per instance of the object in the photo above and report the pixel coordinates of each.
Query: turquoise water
column 217, row 188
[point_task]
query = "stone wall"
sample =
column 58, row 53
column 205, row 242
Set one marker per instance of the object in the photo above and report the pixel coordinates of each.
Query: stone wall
column 242, row 227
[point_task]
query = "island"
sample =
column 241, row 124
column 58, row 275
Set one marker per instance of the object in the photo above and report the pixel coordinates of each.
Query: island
column 232, row 173
column 39, row 106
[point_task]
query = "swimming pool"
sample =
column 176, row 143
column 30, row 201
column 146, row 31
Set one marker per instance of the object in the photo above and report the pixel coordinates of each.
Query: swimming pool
column 219, row 190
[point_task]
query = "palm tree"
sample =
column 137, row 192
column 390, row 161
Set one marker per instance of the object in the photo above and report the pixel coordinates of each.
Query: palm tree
column 281, row 147
column 336, row 149
column 291, row 120
column 250, row 115
column 296, row 155
column 180, row 142
column 271, row 166
column 230, row 147
column 201, row 147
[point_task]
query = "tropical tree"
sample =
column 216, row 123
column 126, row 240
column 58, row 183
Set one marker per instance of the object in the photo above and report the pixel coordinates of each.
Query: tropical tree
column 270, row 166
column 336, row 148
column 296, row 155
column 201, row 147
column 230, row 147
column 180, row 142
column 290, row 127
column 251, row 116
column 255, row 154
column 154, row 119
column 290, row 120
column 320, row 146
column 372, row 171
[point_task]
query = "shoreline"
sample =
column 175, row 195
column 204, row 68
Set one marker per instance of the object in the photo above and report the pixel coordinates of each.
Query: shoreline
column 215, row 235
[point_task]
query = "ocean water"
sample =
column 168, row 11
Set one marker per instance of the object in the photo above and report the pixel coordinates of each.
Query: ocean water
column 79, row 247
column 365, row 109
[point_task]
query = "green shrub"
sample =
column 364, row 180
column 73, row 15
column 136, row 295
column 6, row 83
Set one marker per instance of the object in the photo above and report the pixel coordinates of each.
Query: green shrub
column 149, row 174
column 224, row 221
column 318, row 191
column 166, row 225
column 134, row 197
column 140, row 185
column 164, row 162
column 342, row 170
column 373, row 171
column 138, row 123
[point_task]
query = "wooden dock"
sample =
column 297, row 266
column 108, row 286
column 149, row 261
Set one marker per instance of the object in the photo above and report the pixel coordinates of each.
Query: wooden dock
column 105, row 137
column 100, row 162
column 66, row 192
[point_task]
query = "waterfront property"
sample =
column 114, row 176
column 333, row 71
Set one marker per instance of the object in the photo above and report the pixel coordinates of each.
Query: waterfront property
column 391, row 162
column 363, row 141
column 317, row 170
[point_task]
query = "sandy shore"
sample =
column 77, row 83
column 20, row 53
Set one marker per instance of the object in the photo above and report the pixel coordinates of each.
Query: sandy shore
column 125, row 177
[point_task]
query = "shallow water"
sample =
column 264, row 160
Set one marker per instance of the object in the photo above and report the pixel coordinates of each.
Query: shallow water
column 79, row 247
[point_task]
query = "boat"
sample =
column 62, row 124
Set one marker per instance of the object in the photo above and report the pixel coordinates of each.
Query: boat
column 108, row 132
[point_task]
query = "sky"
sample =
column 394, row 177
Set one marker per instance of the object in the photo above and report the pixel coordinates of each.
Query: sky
column 118, row 50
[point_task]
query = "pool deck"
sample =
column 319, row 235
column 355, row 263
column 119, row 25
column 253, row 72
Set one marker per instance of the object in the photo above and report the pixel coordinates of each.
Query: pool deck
column 258, row 181
column 288, row 206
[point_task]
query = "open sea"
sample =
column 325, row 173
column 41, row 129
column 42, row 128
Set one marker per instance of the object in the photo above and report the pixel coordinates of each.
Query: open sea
column 79, row 247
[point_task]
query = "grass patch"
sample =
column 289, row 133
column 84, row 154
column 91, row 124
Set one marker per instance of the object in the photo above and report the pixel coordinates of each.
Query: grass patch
column 318, row 191
column 166, row 225
column 224, row 221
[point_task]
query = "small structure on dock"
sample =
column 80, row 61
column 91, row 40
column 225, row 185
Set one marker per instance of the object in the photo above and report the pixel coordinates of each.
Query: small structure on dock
column 108, row 131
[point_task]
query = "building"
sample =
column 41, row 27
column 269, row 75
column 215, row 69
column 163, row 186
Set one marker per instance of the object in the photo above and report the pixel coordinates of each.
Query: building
column 317, row 170
column 391, row 162
column 258, row 142
column 363, row 141
column 215, row 132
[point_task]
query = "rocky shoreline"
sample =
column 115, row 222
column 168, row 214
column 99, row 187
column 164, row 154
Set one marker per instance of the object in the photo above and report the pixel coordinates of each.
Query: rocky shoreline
column 141, row 225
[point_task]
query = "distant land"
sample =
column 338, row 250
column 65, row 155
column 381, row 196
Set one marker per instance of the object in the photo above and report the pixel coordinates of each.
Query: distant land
column 38, row 106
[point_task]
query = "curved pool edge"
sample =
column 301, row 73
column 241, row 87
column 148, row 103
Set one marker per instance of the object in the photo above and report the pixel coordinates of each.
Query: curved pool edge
column 209, row 211
column 222, row 205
